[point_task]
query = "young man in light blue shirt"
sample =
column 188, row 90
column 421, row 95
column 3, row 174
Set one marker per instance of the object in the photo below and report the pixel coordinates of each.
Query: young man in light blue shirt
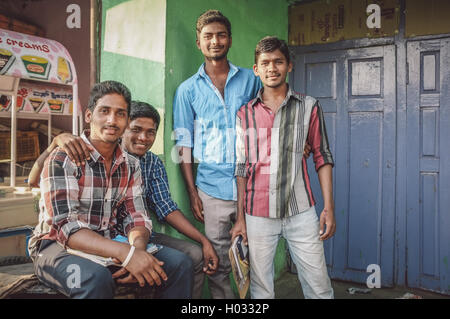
column 204, row 111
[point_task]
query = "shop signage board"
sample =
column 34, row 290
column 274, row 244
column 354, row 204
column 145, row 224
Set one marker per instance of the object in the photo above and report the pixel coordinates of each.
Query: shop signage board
column 39, row 98
column 30, row 57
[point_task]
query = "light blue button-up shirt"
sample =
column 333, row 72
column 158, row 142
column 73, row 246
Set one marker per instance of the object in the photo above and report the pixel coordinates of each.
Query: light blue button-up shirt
column 205, row 121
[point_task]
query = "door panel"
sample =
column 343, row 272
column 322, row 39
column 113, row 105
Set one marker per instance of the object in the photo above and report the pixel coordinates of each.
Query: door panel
column 364, row 161
column 428, row 155
column 357, row 91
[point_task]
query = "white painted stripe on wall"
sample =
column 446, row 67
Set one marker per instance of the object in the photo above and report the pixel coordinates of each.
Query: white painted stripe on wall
column 137, row 28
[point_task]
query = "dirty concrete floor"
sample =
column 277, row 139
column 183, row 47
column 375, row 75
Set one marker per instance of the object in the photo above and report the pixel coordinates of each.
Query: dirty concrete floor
column 287, row 287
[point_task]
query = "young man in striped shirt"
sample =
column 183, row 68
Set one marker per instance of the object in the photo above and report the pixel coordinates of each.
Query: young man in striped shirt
column 274, row 191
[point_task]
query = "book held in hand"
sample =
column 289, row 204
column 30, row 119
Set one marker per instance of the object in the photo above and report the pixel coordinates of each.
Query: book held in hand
column 238, row 254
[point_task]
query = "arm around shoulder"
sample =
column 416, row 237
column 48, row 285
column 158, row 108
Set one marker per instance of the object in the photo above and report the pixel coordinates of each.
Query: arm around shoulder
column 33, row 177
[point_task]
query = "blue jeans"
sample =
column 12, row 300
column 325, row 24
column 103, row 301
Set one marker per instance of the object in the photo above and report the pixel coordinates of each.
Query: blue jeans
column 302, row 236
column 55, row 268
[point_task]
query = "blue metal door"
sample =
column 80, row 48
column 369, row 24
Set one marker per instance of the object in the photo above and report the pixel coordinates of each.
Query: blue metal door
column 428, row 165
column 356, row 88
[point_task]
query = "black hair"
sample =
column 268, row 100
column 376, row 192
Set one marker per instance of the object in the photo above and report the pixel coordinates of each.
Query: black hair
column 211, row 16
column 270, row 44
column 109, row 87
column 142, row 109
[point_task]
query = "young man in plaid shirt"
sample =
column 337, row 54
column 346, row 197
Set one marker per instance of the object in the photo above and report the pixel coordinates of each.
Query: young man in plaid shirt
column 84, row 207
column 137, row 140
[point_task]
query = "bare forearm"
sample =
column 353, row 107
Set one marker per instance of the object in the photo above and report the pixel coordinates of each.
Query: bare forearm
column 141, row 266
column 326, row 184
column 139, row 237
column 186, row 168
column 90, row 242
column 33, row 177
column 178, row 221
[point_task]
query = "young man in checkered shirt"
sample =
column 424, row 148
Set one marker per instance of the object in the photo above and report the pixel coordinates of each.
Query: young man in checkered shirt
column 84, row 207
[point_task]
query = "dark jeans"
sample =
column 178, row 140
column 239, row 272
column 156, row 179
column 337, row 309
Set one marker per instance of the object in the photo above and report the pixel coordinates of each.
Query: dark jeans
column 80, row 278
column 192, row 250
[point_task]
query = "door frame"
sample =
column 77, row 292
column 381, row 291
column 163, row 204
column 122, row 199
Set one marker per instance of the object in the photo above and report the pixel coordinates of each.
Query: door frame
column 414, row 273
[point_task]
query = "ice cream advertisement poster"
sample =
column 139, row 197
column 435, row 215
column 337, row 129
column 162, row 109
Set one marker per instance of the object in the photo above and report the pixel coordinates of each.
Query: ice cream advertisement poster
column 31, row 57
column 40, row 98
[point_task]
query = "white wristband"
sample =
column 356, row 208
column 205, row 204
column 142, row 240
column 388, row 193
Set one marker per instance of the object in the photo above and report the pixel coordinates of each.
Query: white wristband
column 130, row 254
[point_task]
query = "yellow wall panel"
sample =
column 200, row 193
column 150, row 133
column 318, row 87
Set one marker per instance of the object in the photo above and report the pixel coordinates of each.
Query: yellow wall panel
column 427, row 17
column 330, row 21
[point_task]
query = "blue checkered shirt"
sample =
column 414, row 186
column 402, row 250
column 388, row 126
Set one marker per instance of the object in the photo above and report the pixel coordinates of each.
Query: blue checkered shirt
column 156, row 186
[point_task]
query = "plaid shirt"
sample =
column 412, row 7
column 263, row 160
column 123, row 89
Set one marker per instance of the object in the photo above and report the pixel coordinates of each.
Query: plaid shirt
column 74, row 197
column 269, row 152
column 156, row 187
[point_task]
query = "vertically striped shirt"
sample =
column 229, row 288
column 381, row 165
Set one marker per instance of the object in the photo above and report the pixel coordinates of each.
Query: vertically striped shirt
column 269, row 152
column 73, row 198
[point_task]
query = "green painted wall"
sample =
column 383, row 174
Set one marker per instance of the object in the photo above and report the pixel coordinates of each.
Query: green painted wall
column 251, row 20
column 144, row 77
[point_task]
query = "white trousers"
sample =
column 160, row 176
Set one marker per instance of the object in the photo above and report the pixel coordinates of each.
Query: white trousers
column 302, row 236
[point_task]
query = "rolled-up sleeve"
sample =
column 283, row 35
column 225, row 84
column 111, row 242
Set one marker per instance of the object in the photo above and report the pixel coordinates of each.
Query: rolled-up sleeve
column 157, row 189
column 241, row 159
column 134, row 211
column 318, row 139
column 59, row 187
column 183, row 118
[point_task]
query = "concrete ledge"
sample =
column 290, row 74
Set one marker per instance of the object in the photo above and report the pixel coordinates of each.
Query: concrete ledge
column 19, row 282
column 17, row 209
